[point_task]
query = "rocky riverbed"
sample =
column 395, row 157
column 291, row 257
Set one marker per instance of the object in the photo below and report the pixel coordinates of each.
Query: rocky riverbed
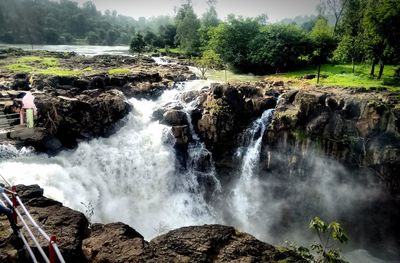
column 80, row 97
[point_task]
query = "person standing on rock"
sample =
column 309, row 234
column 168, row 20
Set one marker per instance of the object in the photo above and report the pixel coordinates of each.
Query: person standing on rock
column 8, row 212
column 28, row 110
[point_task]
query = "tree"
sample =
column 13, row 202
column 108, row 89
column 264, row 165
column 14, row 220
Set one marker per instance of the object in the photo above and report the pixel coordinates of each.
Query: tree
column 336, row 8
column 137, row 44
column 208, row 21
column 324, row 43
column 151, row 39
column 350, row 49
column 167, row 34
column 210, row 17
column 231, row 41
column 279, row 47
column 381, row 23
column 112, row 36
column 92, row 38
column 187, row 29
column 209, row 60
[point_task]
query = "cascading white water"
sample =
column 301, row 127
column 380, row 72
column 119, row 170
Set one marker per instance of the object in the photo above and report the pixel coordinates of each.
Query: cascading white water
column 247, row 193
column 129, row 177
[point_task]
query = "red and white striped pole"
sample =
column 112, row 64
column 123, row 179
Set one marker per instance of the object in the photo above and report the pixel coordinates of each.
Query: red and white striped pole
column 14, row 203
column 52, row 252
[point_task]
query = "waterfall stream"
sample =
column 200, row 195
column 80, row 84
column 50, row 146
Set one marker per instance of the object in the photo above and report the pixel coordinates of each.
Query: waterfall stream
column 246, row 193
column 128, row 177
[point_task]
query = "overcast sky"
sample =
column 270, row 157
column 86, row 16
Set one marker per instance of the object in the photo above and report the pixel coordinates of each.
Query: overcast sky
column 275, row 9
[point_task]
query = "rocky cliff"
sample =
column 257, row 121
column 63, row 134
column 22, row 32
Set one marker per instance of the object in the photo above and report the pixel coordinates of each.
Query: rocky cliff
column 118, row 242
column 356, row 127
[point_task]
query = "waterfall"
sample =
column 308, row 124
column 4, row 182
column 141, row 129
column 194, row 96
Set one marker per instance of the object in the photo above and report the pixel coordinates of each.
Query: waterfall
column 128, row 177
column 247, row 193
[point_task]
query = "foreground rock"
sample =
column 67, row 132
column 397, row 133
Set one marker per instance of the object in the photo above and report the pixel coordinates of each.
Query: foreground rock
column 67, row 225
column 117, row 242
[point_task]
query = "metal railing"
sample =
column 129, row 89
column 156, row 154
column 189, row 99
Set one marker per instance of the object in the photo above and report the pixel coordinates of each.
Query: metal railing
column 6, row 120
column 54, row 251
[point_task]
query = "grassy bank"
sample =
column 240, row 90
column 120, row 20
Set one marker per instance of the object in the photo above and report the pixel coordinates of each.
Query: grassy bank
column 332, row 75
column 341, row 75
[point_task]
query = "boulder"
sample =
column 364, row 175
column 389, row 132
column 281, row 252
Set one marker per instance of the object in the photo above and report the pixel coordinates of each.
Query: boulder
column 115, row 242
column 67, row 225
column 175, row 118
column 214, row 243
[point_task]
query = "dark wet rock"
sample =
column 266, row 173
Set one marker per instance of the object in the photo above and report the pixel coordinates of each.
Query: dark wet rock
column 214, row 243
column 118, row 242
column 181, row 134
column 309, row 76
column 69, row 226
column 81, row 84
column 227, row 110
column 175, row 118
column 66, row 119
column 115, row 242
column 98, row 82
column 345, row 125
column 20, row 84
column 209, row 243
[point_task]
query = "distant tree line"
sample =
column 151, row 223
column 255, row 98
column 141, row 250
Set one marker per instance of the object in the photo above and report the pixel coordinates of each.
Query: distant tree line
column 360, row 31
column 65, row 22
column 345, row 31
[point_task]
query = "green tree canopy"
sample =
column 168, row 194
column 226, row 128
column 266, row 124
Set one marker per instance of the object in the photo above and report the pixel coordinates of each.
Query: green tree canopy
column 279, row 47
column 187, row 29
column 231, row 40
column 323, row 41
column 137, row 44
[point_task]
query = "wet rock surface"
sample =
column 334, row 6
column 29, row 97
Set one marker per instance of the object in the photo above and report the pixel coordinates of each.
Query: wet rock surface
column 118, row 242
column 358, row 129
column 67, row 225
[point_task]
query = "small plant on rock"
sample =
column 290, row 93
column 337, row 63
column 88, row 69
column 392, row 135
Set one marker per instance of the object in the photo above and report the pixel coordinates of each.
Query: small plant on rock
column 325, row 249
column 89, row 212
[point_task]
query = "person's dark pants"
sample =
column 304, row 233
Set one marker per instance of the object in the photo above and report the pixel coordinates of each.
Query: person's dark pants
column 7, row 211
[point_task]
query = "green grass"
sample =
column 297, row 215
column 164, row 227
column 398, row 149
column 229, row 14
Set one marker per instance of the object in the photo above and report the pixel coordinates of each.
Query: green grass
column 219, row 75
column 45, row 61
column 56, row 71
column 341, row 75
column 172, row 50
column 19, row 68
column 119, row 71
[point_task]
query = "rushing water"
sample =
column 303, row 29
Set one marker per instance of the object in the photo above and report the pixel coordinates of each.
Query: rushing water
column 246, row 193
column 128, row 177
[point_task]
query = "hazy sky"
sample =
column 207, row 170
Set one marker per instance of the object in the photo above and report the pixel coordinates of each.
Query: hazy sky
column 275, row 9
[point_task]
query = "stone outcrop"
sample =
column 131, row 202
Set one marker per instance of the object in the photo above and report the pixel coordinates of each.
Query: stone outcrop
column 357, row 128
column 67, row 225
column 228, row 109
column 118, row 242
column 89, row 114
